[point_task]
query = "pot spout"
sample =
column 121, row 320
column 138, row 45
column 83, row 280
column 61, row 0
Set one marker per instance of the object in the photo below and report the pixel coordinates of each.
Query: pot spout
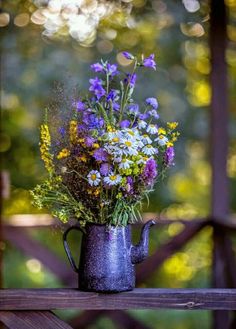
column 140, row 251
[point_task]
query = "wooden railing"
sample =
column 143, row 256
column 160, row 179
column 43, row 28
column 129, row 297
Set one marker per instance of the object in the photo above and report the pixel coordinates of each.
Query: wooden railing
column 31, row 302
column 34, row 305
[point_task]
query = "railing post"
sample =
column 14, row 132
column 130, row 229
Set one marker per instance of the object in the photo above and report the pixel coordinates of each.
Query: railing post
column 219, row 144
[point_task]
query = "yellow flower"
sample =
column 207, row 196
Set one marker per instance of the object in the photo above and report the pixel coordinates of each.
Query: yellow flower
column 96, row 145
column 110, row 129
column 45, row 144
column 83, row 158
column 172, row 125
column 96, row 192
column 64, row 153
column 169, row 144
column 81, row 140
column 161, row 131
column 73, row 131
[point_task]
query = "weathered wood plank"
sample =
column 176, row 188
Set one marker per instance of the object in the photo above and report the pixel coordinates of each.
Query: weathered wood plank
column 49, row 299
column 32, row 320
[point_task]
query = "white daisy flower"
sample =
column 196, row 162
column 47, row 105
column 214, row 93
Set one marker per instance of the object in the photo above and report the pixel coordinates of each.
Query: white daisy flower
column 146, row 139
column 131, row 133
column 112, row 179
column 113, row 150
column 129, row 147
column 140, row 144
column 112, row 135
column 117, row 159
column 142, row 124
column 94, row 178
column 161, row 140
column 125, row 164
column 152, row 129
column 143, row 160
column 149, row 149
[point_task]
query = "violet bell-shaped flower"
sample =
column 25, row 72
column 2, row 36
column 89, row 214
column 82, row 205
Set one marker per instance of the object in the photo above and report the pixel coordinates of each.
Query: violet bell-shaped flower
column 149, row 62
column 96, row 87
column 125, row 124
column 131, row 79
column 97, row 67
column 127, row 55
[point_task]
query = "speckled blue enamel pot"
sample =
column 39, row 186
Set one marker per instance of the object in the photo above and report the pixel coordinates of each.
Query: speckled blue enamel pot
column 107, row 257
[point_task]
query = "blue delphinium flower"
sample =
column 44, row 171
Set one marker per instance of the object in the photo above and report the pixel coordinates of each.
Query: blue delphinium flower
column 125, row 124
column 80, row 106
column 111, row 69
column 113, row 96
column 97, row 67
column 133, row 109
column 131, row 79
column 149, row 62
column 152, row 102
column 92, row 121
column 127, row 55
column 96, row 87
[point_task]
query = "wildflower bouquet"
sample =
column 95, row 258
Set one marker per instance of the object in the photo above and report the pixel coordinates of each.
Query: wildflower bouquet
column 107, row 152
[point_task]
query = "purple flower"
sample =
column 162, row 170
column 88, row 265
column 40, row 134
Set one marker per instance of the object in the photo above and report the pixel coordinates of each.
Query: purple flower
column 62, row 131
column 131, row 79
column 105, row 169
column 97, row 67
column 80, row 106
column 113, row 95
column 127, row 55
column 112, row 69
column 149, row 172
column 169, row 156
column 95, row 82
column 149, row 62
column 81, row 127
column 89, row 141
column 96, row 87
column 116, row 106
column 100, row 154
column 125, row 124
column 129, row 185
column 134, row 109
column 143, row 116
column 92, row 121
column 154, row 114
column 152, row 102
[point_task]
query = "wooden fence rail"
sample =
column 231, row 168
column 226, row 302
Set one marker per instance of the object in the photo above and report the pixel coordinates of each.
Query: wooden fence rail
column 149, row 298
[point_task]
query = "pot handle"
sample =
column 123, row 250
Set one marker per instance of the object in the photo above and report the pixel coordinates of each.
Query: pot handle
column 67, row 248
